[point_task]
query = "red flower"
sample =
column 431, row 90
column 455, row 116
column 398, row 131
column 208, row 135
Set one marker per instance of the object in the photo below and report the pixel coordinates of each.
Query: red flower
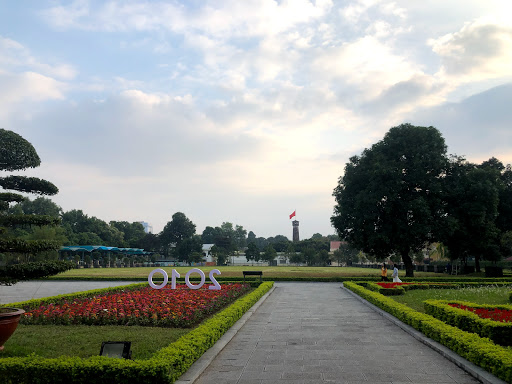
column 166, row 307
column 502, row 315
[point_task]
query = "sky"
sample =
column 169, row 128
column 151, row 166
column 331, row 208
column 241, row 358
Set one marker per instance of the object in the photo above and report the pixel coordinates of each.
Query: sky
column 243, row 111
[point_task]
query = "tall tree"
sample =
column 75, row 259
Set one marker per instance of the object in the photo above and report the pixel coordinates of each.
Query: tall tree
column 346, row 254
column 175, row 231
column 269, row 254
column 252, row 252
column 17, row 154
column 389, row 198
column 472, row 199
column 133, row 233
column 189, row 249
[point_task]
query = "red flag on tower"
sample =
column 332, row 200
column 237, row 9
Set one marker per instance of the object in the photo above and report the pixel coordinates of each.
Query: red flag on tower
column 293, row 214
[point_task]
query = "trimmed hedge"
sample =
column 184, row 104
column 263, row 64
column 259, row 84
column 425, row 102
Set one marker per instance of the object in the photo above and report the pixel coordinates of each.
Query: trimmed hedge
column 165, row 366
column 11, row 274
column 337, row 279
column 401, row 289
column 498, row 332
column 480, row 351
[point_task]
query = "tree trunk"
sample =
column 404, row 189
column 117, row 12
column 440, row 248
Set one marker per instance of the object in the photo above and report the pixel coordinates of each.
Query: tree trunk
column 409, row 268
column 477, row 263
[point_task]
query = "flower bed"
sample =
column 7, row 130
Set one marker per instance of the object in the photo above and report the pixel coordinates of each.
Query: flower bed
column 392, row 285
column 166, row 307
column 496, row 314
column 166, row 366
column 493, row 323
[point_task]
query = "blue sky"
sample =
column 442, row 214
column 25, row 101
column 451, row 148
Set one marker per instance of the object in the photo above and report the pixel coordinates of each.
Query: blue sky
column 243, row 111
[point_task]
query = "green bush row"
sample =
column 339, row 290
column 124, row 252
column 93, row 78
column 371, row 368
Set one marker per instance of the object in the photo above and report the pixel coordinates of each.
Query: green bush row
column 498, row 332
column 480, row 351
column 338, row 279
column 165, row 366
column 401, row 289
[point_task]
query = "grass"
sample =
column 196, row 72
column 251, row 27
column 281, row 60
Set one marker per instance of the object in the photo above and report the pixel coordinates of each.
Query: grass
column 52, row 341
column 236, row 271
column 483, row 295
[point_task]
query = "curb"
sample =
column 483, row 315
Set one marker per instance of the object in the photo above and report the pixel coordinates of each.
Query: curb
column 206, row 359
column 474, row 370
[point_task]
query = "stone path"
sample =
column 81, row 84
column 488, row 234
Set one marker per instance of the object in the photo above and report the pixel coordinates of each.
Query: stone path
column 320, row 333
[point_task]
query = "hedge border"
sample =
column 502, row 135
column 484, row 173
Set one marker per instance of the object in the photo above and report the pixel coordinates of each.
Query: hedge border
column 481, row 351
column 499, row 332
column 167, row 365
column 337, row 279
column 401, row 289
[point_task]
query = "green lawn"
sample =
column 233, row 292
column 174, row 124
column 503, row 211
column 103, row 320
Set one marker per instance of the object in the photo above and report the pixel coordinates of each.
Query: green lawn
column 482, row 295
column 52, row 341
column 268, row 272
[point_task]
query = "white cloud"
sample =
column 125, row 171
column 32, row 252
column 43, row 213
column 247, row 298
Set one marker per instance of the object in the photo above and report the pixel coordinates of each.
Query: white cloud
column 14, row 55
column 477, row 51
column 367, row 63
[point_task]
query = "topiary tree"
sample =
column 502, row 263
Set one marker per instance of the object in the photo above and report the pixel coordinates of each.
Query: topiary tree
column 17, row 154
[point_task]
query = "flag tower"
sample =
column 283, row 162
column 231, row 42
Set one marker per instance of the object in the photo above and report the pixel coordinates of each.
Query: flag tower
column 295, row 225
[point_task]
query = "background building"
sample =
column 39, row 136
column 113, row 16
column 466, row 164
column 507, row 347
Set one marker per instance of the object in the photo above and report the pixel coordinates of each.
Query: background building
column 148, row 228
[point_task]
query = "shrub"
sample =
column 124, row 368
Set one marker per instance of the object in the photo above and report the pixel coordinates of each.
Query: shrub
column 480, row 351
column 498, row 332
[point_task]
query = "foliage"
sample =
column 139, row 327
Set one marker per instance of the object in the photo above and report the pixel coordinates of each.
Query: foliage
column 28, row 220
column 165, row 367
column 269, row 254
column 175, row 231
column 28, row 185
column 84, row 230
column 133, row 233
column 389, row 198
column 480, row 351
column 10, row 274
column 346, row 254
column 16, row 153
column 189, row 249
column 39, row 206
column 491, row 321
column 472, row 200
column 252, row 252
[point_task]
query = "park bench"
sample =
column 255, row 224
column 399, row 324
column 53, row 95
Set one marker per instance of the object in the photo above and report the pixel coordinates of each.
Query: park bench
column 253, row 273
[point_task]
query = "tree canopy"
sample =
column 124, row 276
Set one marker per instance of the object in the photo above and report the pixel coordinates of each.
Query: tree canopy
column 389, row 198
column 16, row 154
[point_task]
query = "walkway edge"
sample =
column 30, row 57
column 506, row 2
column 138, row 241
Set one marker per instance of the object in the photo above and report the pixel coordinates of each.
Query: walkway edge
column 474, row 370
column 206, row 359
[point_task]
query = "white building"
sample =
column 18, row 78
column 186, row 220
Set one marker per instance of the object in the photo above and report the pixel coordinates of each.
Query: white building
column 148, row 228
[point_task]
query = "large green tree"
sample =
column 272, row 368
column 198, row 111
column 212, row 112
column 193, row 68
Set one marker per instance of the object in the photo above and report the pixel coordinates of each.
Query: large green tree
column 389, row 198
column 133, row 233
column 472, row 195
column 175, row 231
column 17, row 154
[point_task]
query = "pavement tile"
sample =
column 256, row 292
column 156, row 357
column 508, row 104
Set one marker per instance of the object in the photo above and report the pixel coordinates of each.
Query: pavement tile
column 318, row 333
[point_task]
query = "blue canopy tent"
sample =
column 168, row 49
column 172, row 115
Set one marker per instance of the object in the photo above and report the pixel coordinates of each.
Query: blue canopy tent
column 103, row 250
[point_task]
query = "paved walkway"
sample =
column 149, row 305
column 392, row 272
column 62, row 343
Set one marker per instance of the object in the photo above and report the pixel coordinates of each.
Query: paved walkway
column 320, row 333
column 36, row 289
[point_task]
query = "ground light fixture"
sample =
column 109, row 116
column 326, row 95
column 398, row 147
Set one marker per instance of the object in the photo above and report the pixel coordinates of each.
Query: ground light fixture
column 116, row 349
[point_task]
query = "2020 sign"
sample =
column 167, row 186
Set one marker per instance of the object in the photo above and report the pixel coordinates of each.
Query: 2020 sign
column 175, row 275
